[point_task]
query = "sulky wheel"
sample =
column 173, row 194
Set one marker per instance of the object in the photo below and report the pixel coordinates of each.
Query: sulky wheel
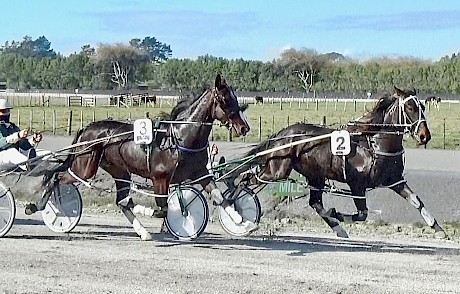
column 188, row 213
column 64, row 208
column 7, row 209
column 247, row 205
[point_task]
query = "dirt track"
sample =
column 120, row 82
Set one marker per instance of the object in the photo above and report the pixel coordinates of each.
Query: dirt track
column 103, row 255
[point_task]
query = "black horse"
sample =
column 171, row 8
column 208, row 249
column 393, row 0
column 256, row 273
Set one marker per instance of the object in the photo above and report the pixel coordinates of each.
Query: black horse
column 178, row 154
column 433, row 101
column 375, row 160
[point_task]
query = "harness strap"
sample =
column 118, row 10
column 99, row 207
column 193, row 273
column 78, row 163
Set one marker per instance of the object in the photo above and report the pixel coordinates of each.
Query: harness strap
column 86, row 183
column 190, row 150
column 389, row 154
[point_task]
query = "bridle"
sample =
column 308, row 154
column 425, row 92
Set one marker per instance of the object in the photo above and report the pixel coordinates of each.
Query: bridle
column 404, row 120
column 219, row 100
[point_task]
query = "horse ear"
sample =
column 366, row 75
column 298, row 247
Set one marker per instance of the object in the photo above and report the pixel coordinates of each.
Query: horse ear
column 399, row 92
column 218, row 82
column 244, row 107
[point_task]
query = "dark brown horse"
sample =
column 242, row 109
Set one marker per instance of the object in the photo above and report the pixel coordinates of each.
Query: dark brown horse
column 177, row 154
column 375, row 160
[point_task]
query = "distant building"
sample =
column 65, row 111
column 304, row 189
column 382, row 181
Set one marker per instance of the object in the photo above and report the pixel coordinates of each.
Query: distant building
column 143, row 87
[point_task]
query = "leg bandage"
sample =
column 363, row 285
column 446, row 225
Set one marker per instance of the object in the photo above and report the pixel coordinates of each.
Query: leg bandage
column 216, row 196
column 414, row 201
column 124, row 201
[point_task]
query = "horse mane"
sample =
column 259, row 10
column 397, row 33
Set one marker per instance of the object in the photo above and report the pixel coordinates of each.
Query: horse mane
column 375, row 115
column 182, row 105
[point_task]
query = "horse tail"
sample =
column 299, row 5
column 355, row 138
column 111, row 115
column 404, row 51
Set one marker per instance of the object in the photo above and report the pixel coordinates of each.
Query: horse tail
column 49, row 174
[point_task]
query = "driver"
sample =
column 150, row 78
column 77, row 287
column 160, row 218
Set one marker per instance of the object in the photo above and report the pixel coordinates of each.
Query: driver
column 15, row 148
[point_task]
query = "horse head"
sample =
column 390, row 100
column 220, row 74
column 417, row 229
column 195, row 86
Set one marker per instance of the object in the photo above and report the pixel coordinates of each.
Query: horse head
column 226, row 107
column 411, row 114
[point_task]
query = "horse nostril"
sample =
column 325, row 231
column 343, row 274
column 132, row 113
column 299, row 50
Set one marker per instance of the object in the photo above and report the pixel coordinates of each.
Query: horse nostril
column 425, row 138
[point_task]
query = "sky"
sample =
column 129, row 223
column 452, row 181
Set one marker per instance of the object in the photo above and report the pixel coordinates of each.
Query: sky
column 251, row 30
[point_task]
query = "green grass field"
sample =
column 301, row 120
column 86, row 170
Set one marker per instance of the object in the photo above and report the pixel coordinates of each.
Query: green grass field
column 264, row 119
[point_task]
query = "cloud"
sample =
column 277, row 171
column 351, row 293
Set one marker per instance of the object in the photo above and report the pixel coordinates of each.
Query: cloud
column 426, row 20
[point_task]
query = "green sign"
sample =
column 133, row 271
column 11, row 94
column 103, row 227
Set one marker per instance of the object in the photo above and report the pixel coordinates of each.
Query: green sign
column 288, row 188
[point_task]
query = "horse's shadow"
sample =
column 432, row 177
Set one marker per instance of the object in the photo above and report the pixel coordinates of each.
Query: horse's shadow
column 302, row 245
column 293, row 245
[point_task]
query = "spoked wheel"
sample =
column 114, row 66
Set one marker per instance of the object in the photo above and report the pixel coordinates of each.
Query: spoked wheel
column 64, row 208
column 247, row 205
column 7, row 209
column 188, row 213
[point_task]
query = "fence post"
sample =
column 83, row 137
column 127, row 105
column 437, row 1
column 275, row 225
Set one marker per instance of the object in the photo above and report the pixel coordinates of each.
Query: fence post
column 81, row 119
column 316, row 105
column 19, row 117
column 443, row 134
column 323, row 123
column 354, row 103
column 53, row 122
column 273, row 123
column 260, row 128
column 94, row 116
column 288, row 120
column 229, row 138
column 31, row 119
column 69, row 124
column 44, row 119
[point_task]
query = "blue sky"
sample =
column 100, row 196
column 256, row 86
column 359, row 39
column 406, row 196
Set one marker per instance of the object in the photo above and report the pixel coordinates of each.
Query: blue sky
column 252, row 30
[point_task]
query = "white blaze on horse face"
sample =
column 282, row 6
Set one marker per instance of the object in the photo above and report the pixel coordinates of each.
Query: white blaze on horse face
column 244, row 118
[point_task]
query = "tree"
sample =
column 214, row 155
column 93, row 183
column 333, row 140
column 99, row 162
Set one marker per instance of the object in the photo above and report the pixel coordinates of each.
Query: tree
column 38, row 48
column 156, row 51
column 304, row 63
column 87, row 50
column 120, row 63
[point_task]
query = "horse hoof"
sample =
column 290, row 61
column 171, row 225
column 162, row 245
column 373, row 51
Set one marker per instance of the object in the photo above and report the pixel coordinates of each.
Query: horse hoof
column 340, row 232
column 146, row 237
column 160, row 213
column 30, row 209
column 441, row 235
column 250, row 226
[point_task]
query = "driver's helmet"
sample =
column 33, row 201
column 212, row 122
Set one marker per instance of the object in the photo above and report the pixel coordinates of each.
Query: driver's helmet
column 4, row 104
column 5, row 109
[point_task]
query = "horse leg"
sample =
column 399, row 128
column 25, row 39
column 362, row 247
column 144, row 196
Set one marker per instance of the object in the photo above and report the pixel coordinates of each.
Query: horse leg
column 84, row 167
column 361, row 207
column 218, row 199
column 316, row 202
column 32, row 208
column 404, row 191
column 126, row 203
column 124, row 200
